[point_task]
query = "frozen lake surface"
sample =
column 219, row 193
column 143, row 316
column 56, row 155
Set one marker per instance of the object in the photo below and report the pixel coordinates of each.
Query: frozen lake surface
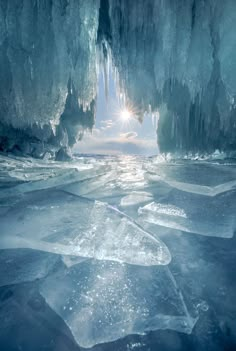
column 117, row 253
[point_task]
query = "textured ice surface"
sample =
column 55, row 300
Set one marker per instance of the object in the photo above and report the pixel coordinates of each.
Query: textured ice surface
column 20, row 175
column 193, row 213
column 48, row 79
column 178, row 57
column 135, row 198
column 123, row 175
column 104, row 301
column 174, row 58
column 61, row 223
column 20, row 265
column 101, row 270
column 202, row 178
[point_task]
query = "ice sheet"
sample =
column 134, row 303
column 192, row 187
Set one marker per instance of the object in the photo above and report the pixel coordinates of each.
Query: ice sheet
column 194, row 213
column 22, row 265
column 203, row 173
column 135, row 198
column 128, row 205
column 60, row 223
column 204, row 178
column 37, row 175
column 104, row 301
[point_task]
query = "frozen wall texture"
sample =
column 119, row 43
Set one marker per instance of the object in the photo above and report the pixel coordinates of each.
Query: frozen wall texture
column 47, row 70
column 177, row 56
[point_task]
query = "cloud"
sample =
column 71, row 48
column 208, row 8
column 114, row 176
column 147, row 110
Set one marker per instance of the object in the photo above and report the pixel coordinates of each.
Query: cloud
column 125, row 145
column 95, row 132
column 129, row 135
column 107, row 123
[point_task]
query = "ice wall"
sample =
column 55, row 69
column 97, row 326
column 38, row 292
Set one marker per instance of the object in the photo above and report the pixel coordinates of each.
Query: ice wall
column 47, row 63
column 174, row 56
column 180, row 58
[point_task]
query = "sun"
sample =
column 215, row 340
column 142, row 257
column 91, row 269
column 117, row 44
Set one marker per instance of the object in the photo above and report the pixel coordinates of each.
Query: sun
column 125, row 114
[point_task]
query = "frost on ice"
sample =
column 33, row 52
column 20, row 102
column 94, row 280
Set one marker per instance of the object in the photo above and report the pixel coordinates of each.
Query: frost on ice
column 205, row 216
column 104, row 301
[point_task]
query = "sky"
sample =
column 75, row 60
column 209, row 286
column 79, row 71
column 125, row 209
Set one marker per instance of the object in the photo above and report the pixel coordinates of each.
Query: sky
column 113, row 134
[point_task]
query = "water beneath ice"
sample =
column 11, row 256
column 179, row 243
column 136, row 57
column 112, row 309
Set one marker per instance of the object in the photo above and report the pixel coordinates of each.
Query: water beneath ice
column 122, row 252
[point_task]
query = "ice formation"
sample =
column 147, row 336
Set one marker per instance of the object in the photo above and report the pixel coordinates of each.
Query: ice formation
column 105, row 301
column 112, row 261
column 197, row 214
column 172, row 59
column 135, row 198
column 48, row 73
column 179, row 58
column 74, row 226
column 117, row 246
column 17, row 266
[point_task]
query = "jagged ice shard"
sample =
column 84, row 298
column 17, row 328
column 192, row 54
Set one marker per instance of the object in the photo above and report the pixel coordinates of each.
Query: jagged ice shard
column 105, row 301
column 75, row 226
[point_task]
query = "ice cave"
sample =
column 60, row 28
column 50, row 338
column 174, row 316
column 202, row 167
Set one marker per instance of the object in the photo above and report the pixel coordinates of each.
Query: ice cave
column 117, row 175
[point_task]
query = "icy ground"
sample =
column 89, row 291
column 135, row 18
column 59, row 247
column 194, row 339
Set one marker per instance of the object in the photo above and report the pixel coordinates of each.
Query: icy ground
column 117, row 253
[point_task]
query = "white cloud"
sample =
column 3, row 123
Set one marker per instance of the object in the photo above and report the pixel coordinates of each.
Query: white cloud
column 127, row 145
column 107, row 122
column 95, row 132
column 129, row 135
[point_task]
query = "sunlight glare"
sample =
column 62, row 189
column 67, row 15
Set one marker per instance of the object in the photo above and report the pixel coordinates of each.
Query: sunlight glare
column 125, row 115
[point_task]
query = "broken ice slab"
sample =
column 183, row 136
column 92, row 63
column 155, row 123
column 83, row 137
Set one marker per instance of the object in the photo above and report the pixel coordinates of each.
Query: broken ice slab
column 201, row 178
column 121, row 177
column 203, row 190
column 70, row 261
column 103, row 301
column 23, row 265
column 193, row 172
column 60, row 223
column 53, row 181
column 91, row 186
column 135, row 198
column 38, row 175
column 209, row 216
column 67, row 177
